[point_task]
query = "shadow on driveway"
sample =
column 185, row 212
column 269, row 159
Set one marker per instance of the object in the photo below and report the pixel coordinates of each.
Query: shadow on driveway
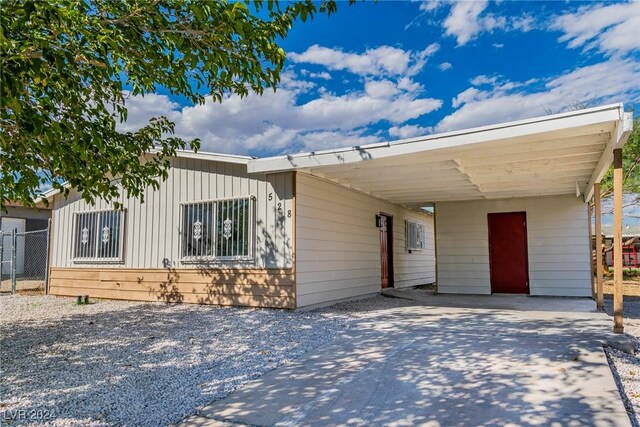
column 447, row 366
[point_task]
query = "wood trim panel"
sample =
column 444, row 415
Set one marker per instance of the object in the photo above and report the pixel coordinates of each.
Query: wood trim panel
column 294, row 247
column 238, row 287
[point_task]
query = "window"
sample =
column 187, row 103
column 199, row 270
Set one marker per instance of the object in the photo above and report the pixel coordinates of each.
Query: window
column 98, row 235
column 414, row 235
column 218, row 229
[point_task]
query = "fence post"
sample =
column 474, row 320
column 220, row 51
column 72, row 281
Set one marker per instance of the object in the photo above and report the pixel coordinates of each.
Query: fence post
column 46, row 261
column 14, row 250
column 1, row 254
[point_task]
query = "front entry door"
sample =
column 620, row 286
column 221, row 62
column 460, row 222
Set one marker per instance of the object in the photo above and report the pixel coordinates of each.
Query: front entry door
column 508, row 259
column 386, row 250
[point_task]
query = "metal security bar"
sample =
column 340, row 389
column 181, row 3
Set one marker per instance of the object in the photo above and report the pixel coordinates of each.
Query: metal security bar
column 98, row 235
column 218, row 229
column 198, row 224
column 233, row 229
column 25, row 261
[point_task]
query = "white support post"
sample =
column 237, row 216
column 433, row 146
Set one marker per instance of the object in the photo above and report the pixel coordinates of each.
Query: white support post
column 598, row 234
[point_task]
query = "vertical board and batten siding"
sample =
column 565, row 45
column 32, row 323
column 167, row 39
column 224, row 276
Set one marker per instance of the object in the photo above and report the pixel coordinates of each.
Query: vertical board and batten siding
column 152, row 231
column 558, row 245
column 338, row 243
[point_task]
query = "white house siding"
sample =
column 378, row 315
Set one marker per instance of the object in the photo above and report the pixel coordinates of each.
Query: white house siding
column 338, row 243
column 557, row 234
column 152, row 229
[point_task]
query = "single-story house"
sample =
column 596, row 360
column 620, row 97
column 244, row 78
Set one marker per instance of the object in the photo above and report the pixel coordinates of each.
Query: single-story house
column 509, row 216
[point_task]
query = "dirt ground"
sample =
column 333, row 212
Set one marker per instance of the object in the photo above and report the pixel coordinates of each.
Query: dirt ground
column 630, row 288
column 24, row 286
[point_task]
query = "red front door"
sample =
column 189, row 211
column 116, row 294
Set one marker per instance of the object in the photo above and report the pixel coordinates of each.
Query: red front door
column 508, row 260
column 386, row 250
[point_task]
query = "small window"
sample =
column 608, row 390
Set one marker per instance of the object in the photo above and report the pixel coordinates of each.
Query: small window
column 98, row 235
column 218, row 229
column 414, row 235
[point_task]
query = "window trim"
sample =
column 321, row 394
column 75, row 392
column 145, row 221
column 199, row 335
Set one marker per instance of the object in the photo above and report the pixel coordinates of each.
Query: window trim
column 214, row 258
column 101, row 260
column 407, row 237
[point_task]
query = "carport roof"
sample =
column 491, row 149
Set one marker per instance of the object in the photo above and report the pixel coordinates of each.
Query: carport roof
column 551, row 155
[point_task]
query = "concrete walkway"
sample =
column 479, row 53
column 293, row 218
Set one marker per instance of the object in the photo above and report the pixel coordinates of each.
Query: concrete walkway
column 436, row 364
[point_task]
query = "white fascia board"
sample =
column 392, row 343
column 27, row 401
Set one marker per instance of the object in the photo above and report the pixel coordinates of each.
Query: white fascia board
column 215, row 157
column 539, row 125
column 618, row 139
column 48, row 195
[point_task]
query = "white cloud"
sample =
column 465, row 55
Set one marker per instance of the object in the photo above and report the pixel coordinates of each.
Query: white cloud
column 409, row 131
column 524, row 23
column 141, row 109
column 484, row 80
column 420, row 59
column 409, row 85
column 468, row 19
column 470, row 95
column 289, row 80
column 609, row 81
column 612, row 29
column 279, row 122
column 382, row 60
column 498, row 45
column 463, row 21
column 357, row 109
column 322, row 75
column 430, row 5
column 380, row 89
column 445, row 66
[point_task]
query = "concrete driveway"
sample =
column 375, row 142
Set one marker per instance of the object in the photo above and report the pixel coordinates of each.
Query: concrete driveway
column 438, row 362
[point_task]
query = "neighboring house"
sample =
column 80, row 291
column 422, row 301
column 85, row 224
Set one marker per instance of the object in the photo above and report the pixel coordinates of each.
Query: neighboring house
column 21, row 219
column 24, row 218
column 631, row 235
column 292, row 231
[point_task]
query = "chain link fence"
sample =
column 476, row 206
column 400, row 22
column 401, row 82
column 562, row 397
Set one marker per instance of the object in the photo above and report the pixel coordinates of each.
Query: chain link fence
column 25, row 257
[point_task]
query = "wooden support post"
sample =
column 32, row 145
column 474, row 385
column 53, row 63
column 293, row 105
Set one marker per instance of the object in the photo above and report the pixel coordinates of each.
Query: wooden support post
column 617, row 241
column 598, row 232
column 591, row 249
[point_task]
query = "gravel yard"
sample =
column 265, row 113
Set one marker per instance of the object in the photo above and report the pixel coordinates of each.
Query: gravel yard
column 144, row 364
column 149, row 364
column 626, row 366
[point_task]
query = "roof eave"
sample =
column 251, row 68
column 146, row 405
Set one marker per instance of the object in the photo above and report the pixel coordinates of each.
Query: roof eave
column 606, row 113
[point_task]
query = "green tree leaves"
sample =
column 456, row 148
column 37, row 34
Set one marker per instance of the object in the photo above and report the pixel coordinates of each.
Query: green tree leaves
column 65, row 64
column 630, row 167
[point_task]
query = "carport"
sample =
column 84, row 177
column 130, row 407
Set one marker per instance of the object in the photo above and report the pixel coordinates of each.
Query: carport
column 511, row 200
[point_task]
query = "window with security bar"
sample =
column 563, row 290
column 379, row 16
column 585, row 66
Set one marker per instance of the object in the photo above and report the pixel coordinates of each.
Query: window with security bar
column 414, row 236
column 98, row 235
column 218, row 229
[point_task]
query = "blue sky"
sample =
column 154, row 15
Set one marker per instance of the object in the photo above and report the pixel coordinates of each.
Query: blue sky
column 391, row 70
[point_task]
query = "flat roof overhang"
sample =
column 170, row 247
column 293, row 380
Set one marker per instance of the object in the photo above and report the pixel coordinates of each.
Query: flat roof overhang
column 551, row 155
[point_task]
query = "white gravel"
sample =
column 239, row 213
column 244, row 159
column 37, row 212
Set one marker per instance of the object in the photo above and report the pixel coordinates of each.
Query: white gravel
column 144, row 364
column 626, row 367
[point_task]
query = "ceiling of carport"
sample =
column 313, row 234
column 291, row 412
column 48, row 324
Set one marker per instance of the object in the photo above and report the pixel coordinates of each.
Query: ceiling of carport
column 552, row 155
